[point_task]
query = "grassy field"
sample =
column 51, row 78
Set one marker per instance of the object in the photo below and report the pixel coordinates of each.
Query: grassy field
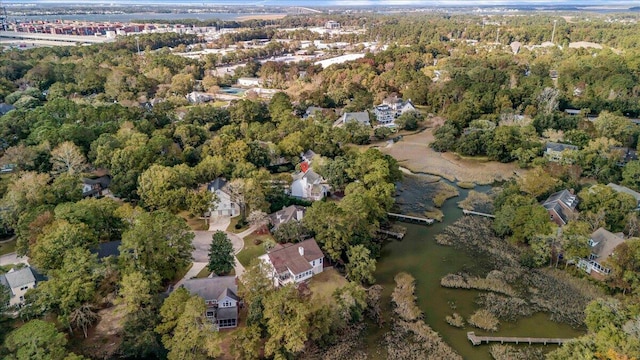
column 232, row 226
column 193, row 222
column 8, row 247
column 324, row 284
column 250, row 250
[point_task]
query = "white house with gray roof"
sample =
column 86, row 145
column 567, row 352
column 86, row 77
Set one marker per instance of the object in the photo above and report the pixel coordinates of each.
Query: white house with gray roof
column 19, row 282
column 556, row 152
column 220, row 297
column 286, row 215
column 361, row 117
column 225, row 206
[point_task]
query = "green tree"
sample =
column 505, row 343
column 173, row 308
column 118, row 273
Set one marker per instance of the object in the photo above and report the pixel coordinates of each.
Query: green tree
column 23, row 193
column 631, row 175
column 158, row 244
column 575, row 240
column 351, row 301
column 361, row 265
column 625, row 266
column 246, row 342
column 409, row 120
column 221, row 259
column 255, row 284
column 530, row 221
column 36, row 340
column 287, row 319
column 162, row 187
column 615, row 205
column 191, row 335
column 57, row 239
column 134, row 294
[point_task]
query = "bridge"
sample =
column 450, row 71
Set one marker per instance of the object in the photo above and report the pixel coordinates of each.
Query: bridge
column 409, row 218
column 469, row 212
column 478, row 340
column 54, row 37
column 303, row 10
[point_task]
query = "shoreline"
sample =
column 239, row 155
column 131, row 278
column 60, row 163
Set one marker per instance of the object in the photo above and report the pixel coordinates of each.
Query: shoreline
column 261, row 17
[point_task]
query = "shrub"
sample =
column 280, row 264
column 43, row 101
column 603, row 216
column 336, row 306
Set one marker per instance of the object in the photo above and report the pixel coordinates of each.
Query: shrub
column 455, row 320
column 485, row 320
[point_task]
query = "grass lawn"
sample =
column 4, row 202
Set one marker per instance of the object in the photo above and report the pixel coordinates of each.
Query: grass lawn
column 232, row 226
column 324, row 284
column 181, row 273
column 250, row 250
column 8, row 247
column 203, row 273
column 193, row 222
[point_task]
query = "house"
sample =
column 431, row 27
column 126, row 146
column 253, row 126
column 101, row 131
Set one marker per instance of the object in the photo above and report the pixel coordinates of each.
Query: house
column 308, row 156
column 384, row 115
column 555, row 151
column 196, row 97
column 332, row 25
column 561, row 206
column 96, row 187
column 624, row 154
column 307, row 184
column 361, row 117
column 287, row 215
column 626, row 190
column 312, row 111
column 398, row 105
column 19, row 282
column 603, row 244
column 5, row 108
column 249, row 82
column 294, row 263
column 572, row 112
column 220, row 296
column 225, row 205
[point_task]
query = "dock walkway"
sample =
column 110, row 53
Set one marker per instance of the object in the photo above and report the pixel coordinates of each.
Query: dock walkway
column 469, row 212
column 478, row 340
column 410, row 218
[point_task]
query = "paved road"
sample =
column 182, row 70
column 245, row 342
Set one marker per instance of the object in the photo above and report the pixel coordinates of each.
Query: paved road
column 202, row 243
column 13, row 258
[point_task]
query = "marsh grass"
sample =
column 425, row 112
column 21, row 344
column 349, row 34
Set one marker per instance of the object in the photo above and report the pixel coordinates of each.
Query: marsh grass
column 455, row 320
column 484, row 319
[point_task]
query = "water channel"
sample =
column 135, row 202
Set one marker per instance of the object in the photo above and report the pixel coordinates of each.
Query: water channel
column 419, row 255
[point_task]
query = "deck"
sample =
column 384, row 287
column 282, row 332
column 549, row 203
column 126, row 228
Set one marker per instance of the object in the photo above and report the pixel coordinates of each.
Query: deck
column 410, row 218
column 469, row 212
column 478, row 340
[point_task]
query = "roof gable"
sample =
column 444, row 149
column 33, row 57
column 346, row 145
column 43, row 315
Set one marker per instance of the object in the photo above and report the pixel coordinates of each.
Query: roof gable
column 18, row 278
column 285, row 257
column 213, row 288
column 604, row 243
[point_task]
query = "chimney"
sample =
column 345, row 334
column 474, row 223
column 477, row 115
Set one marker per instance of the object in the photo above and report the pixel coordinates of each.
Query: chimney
column 301, row 250
column 299, row 215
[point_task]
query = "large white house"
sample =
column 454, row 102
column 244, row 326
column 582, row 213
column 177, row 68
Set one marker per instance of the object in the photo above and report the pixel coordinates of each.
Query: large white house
column 225, row 205
column 19, row 282
column 390, row 109
column 294, row 263
column 307, row 184
column 603, row 244
column 220, row 297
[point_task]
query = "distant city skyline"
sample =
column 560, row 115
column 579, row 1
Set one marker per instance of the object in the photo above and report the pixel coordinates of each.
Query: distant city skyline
column 364, row 3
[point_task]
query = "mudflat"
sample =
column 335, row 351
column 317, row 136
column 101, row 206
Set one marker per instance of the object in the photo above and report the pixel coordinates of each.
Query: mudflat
column 414, row 153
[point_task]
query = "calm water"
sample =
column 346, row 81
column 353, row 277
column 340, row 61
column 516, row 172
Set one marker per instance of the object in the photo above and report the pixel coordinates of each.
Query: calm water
column 419, row 255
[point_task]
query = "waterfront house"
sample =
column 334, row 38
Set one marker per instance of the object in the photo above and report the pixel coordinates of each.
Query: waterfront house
column 249, row 82
column 294, row 263
column 603, row 244
column 361, row 117
column 561, row 206
column 220, row 297
column 556, row 152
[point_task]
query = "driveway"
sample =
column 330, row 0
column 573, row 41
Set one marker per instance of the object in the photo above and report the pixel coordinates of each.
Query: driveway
column 219, row 223
column 202, row 243
column 13, row 258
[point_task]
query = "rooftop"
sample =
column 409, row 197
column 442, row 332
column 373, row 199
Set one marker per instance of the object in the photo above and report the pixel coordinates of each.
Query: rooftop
column 295, row 257
column 215, row 288
column 605, row 243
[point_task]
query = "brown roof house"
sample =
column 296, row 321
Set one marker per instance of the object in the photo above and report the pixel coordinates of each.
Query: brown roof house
column 220, row 297
column 294, row 263
column 561, row 207
column 603, row 243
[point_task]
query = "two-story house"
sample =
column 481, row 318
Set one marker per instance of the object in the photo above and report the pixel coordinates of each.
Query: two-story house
column 561, row 207
column 294, row 263
column 307, row 184
column 361, row 117
column 96, row 187
column 556, row 152
column 225, row 205
column 390, row 109
column 19, row 282
column 220, row 297
column 603, row 243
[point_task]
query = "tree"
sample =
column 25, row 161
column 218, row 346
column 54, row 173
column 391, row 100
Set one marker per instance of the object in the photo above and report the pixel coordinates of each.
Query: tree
column 409, row 120
column 135, row 293
column 68, row 158
column 287, row 322
column 625, row 266
column 70, row 288
column 23, row 193
column 351, row 301
column 548, row 100
column 575, row 240
column 537, row 182
column 162, row 187
column 361, row 266
column 158, row 244
column 246, row 342
column 631, row 174
column 187, row 333
column 257, row 217
column 221, row 258
column 615, row 205
column 255, row 284
column 36, row 340
column 57, row 239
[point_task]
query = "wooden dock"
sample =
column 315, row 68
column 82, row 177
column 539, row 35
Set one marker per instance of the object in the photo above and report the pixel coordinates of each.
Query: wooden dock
column 479, row 340
column 409, row 218
column 469, row 212
column 395, row 234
